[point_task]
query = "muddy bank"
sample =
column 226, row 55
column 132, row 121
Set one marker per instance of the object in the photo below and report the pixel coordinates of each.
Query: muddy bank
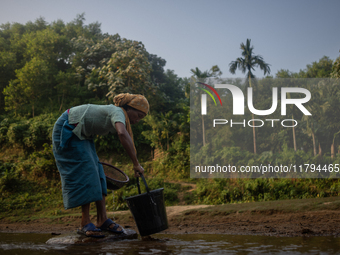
column 256, row 219
column 272, row 223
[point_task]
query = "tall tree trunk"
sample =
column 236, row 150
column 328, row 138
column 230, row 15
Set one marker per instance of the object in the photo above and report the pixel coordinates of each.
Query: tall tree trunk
column 294, row 140
column 33, row 110
column 313, row 136
column 320, row 150
column 333, row 145
column 203, row 130
column 62, row 100
column 254, row 134
column 314, row 143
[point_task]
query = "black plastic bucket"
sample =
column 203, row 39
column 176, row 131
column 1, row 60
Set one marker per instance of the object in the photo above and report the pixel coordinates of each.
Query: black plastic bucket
column 148, row 210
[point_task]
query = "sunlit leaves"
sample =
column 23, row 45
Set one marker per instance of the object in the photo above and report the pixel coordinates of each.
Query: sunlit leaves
column 128, row 69
column 336, row 68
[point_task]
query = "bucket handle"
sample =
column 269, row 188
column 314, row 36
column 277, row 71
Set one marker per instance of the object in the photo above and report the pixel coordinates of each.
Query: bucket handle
column 146, row 186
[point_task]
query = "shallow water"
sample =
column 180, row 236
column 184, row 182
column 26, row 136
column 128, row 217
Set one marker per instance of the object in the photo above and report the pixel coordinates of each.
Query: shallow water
column 35, row 244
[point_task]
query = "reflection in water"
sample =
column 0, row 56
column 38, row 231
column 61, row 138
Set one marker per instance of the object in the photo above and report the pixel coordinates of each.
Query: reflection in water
column 35, row 244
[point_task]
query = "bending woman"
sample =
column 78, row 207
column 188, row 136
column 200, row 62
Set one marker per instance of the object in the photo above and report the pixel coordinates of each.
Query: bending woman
column 82, row 176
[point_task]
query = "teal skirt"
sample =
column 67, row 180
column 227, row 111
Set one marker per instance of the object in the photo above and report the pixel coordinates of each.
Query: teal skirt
column 82, row 176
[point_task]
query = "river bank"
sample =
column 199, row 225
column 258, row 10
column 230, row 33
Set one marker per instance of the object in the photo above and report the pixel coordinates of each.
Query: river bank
column 301, row 217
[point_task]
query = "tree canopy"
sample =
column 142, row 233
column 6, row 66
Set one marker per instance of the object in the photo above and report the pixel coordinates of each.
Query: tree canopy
column 51, row 67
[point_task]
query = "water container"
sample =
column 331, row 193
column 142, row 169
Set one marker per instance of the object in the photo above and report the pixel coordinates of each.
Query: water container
column 148, row 210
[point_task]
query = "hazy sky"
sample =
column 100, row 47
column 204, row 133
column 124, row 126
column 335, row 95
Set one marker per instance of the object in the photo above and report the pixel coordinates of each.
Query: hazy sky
column 288, row 34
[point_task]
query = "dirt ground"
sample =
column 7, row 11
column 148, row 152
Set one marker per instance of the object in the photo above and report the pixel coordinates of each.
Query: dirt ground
column 204, row 220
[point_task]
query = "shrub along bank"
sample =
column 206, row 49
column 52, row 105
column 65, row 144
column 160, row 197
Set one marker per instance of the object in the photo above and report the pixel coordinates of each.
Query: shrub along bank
column 30, row 182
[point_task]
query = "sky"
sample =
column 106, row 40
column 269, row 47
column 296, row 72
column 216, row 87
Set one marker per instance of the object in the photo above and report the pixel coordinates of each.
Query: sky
column 288, row 34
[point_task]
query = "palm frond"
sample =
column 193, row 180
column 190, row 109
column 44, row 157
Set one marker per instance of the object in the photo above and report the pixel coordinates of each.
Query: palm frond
column 248, row 62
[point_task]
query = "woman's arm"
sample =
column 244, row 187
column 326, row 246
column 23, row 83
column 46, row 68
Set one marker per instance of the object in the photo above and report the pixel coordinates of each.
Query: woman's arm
column 127, row 143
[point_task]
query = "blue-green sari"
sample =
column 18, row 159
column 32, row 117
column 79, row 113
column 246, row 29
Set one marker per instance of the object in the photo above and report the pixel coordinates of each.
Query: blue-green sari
column 82, row 176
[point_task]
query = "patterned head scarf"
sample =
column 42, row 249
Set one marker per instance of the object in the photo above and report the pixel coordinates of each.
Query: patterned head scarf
column 138, row 102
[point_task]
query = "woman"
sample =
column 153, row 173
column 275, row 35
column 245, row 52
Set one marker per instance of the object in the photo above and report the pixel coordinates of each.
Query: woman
column 82, row 176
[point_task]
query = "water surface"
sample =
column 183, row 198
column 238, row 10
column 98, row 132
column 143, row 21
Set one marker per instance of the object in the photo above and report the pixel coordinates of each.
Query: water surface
column 35, row 244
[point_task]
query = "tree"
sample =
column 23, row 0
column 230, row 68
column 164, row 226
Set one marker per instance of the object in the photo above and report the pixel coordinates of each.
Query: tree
column 247, row 63
column 198, row 74
column 127, row 70
column 157, row 64
column 321, row 134
column 213, row 72
column 336, row 68
column 170, row 87
column 14, row 96
column 171, row 91
column 7, row 67
column 285, row 73
column 318, row 69
column 65, row 86
column 30, row 86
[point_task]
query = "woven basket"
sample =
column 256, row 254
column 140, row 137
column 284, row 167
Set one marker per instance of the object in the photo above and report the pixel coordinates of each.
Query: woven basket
column 115, row 178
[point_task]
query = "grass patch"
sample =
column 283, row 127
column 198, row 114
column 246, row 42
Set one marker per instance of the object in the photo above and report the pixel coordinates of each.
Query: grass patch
column 291, row 205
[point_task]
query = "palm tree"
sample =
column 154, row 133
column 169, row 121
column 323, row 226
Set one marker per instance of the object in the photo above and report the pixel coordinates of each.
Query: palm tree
column 198, row 74
column 213, row 72
column 247, row 63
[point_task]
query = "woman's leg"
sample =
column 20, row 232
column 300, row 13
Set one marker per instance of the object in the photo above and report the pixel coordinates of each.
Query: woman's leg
column 85, row 219
column 101, row 214
column 85, row 215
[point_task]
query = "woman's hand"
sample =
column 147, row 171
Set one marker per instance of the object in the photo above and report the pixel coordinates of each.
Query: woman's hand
column 127, row 143
column 138, row 170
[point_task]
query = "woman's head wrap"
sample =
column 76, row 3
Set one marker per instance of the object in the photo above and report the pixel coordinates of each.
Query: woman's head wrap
column 138, row 102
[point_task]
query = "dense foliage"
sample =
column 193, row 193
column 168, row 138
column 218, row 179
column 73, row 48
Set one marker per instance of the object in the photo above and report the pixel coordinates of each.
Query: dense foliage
column 48, row 68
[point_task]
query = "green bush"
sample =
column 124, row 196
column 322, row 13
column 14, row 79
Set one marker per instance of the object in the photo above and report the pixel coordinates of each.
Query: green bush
column 28, row 134
column 4, row 126
column 17, row 132
column 9, row 182
column 40, row 131
column 222, row 191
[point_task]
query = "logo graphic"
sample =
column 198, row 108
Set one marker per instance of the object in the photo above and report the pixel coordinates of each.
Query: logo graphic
column 204, row 97
column 238, row 99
